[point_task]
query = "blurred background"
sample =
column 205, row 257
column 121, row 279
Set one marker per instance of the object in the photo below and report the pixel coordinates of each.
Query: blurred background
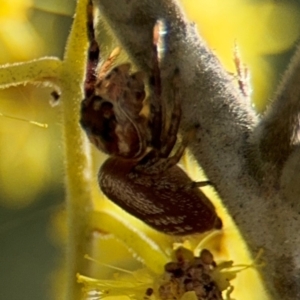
column 31, row 157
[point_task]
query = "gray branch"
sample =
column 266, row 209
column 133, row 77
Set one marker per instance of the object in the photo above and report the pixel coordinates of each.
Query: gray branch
column 281, row 121
column 238, row 152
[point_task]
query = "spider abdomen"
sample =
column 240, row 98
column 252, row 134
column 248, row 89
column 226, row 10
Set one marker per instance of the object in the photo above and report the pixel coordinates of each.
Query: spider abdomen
column 164, row 201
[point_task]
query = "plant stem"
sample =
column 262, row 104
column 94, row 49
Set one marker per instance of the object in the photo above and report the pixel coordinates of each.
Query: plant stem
column 77, row 164
column 42, row 69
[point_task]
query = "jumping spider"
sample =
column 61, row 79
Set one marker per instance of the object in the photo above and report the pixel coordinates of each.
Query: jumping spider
column 140, row 175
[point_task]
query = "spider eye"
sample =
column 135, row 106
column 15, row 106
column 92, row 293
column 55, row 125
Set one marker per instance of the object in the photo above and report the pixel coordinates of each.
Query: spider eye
column 140, row 95
column 107, row 110
column 96, row 102
column 152, row 80
column 108, row 76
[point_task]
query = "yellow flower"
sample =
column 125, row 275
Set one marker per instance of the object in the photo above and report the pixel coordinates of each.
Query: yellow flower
column 140, row 253
column 189, row 274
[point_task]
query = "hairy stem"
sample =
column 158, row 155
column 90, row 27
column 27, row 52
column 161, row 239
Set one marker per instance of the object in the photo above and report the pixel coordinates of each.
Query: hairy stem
column 134, row 239
column 77, row 165
column 38, row 70
column 278, row 131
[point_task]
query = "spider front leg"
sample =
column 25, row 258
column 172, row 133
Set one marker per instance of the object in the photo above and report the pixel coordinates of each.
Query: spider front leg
column 158, row 160
column 93, row 55
column 162, row 139
column 91, row 106
column 170, row 136
column 156, row 120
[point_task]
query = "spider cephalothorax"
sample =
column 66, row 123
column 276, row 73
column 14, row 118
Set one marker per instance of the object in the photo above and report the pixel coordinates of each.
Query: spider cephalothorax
column 141, row 175
column 111, row 115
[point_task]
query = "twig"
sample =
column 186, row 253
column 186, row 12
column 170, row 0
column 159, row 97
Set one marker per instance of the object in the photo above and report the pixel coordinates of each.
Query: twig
column 279, row 129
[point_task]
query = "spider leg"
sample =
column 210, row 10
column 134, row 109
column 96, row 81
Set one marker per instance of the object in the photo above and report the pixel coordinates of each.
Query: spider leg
column 162, row 139
column 197, row 184
column 171, row 136
column 108, row 63
column 243, row 76
column 153, row 163
column 156, row 115
column 93, row 54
